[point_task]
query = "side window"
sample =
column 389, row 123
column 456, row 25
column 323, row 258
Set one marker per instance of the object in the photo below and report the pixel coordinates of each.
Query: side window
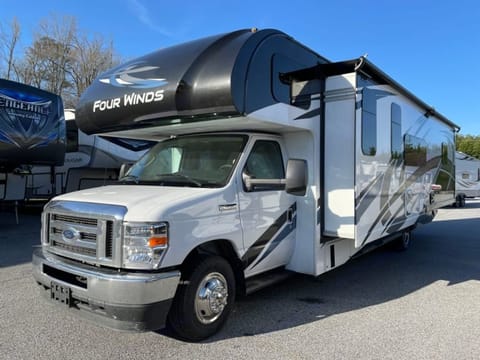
column 72, row 136
column 415, row 151
column 396, row 135
column 369, row 122
column 282, row 64
column 445, row 157
column 265, row 162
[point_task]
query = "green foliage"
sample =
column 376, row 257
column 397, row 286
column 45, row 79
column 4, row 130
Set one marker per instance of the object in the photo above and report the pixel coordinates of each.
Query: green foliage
column 469, row 144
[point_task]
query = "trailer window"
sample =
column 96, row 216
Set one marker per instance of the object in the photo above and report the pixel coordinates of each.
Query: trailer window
column 369, row 122
column 72, row 136
column 396, row 135
column 415, row 151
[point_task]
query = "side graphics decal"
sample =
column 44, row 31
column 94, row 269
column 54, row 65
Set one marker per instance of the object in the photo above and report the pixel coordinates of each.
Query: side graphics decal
column 271, row 238
column 384, row 215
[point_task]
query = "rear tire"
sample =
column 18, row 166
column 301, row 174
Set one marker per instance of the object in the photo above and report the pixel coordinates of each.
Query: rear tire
column 204, row 299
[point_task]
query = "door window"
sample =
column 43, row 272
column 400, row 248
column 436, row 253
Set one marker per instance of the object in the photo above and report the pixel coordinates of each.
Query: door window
column 265, row 162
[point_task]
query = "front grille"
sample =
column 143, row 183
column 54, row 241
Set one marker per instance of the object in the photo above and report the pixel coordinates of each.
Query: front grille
column 74, row 219
column 88, row 236
column 77, row 232
column 75, row 249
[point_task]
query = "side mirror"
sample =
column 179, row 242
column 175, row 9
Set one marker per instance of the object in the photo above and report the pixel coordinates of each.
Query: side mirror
column 123, row 169
column 297, row 177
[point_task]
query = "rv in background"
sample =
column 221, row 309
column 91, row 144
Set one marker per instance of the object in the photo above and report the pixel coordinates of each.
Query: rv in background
column 270, row 160
column 90, row 161
column 467, row 178
column 32, row 132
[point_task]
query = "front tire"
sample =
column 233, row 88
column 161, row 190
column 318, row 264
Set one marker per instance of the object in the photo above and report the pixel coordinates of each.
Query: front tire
column 203, row 300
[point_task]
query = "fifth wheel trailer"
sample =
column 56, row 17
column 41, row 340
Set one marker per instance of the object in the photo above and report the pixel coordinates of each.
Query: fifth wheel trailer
column 272, row 160
column 32, row 132
column 467, row 175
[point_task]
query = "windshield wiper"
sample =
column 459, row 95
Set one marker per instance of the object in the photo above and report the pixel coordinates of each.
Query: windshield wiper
column 182, row 177
column 129, row 178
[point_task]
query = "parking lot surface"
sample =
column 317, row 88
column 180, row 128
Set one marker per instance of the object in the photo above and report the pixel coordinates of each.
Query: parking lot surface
column 419, row 304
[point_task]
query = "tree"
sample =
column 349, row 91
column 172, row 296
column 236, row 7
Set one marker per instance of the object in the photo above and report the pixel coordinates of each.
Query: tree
column 63, row 60
column 8, row 43
column 469, row 144
column 90, row 57
column 46, row 60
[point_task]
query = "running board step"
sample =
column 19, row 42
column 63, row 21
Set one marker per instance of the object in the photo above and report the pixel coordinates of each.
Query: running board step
column 258, row 282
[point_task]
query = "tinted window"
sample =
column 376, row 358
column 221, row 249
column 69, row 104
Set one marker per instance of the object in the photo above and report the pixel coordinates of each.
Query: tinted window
column 265, row 162
column 415, row 151
column 72, row 136
column 369, row 122
column 282, row 65
column 396, row 140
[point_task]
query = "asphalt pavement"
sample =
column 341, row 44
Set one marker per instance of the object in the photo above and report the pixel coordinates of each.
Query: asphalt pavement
column 419, row 304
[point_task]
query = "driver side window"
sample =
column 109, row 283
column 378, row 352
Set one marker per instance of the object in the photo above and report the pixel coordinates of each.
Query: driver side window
column 265, row 162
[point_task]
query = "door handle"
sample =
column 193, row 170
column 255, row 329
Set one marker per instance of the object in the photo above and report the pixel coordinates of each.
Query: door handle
column 289, row 216
column 227, row 207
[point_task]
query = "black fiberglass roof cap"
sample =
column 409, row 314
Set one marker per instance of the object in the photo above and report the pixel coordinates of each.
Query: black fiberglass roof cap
column 222, row 75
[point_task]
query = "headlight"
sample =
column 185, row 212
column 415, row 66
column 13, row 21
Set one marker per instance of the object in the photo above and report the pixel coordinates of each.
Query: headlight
column 144, row 244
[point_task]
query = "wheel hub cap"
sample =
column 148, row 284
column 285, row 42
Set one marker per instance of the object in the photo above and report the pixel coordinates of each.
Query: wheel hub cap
column 211, row 298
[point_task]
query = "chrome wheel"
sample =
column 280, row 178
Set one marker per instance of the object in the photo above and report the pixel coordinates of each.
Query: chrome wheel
column 211, row 297
column 204, row 300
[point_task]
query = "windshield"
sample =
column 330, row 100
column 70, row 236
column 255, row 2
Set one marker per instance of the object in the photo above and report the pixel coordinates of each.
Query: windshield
column 195, row 161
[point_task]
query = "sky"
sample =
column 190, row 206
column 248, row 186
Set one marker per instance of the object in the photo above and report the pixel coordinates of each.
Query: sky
column 430, row 47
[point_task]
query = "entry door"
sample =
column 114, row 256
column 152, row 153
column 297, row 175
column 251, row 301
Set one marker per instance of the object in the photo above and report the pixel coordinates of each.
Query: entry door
column 267, row 212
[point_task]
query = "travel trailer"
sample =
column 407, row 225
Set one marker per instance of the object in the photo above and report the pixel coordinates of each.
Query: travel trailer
column 271, row 160
column 90, row 161
column 32, row 132
column 467, row 175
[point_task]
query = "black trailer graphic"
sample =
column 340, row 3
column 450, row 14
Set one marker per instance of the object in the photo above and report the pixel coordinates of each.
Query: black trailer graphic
column 32, row 126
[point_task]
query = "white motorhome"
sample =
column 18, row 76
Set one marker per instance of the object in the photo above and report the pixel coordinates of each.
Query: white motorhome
column 467, row 176
column 275, row 161
column 90, row 161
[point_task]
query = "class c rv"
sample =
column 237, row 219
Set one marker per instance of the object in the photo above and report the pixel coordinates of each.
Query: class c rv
column 270, row 160
column 32, row 132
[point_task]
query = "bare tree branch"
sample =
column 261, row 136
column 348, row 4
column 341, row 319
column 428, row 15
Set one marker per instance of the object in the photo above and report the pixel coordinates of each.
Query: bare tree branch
column 8, row 43
column 61, row 59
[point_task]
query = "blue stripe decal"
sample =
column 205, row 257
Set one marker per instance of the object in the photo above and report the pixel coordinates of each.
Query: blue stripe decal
column 281, row 235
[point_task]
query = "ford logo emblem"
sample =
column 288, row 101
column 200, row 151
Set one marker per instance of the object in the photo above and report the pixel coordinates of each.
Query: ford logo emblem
column 70, row 234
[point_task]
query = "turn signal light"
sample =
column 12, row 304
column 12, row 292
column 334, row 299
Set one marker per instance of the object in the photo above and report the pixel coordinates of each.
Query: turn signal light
column 157, row 241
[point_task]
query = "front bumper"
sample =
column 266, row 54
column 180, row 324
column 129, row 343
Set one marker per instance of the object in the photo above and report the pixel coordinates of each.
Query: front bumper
column 119, row 299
